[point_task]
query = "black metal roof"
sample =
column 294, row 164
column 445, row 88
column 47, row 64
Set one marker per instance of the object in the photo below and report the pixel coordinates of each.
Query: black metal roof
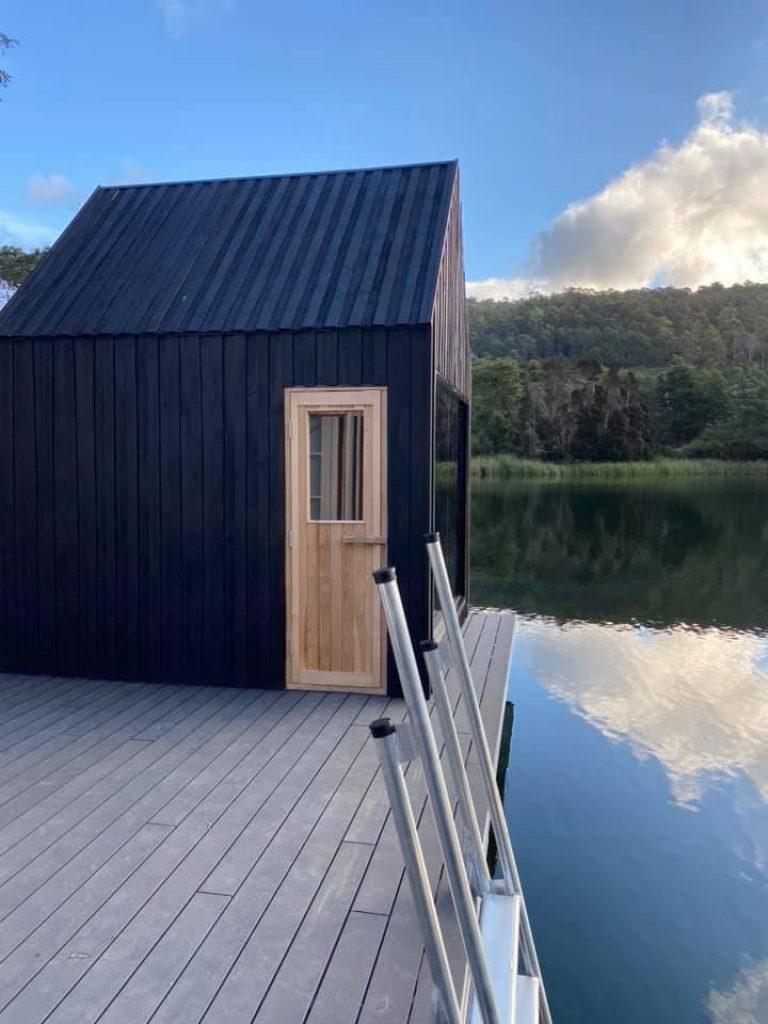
column 338, row 249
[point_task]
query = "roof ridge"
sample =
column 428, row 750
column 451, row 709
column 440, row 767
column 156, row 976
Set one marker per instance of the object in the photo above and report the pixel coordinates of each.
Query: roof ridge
column 288, row 174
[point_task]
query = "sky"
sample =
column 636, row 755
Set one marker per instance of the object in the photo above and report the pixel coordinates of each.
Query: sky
column 601, row 144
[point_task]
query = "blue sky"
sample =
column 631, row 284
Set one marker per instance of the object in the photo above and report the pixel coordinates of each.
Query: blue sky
column 544, row 103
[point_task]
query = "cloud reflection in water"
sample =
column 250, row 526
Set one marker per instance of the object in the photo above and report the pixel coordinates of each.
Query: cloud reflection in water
column 746, row 1002
column 695, row 699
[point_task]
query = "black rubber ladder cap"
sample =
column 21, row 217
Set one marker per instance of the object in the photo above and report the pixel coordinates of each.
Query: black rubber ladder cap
column 381, row 727
column 386, row 575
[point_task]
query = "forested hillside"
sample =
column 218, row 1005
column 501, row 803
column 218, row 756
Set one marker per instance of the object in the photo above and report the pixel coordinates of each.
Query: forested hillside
column 713, row 327
column 623, row 375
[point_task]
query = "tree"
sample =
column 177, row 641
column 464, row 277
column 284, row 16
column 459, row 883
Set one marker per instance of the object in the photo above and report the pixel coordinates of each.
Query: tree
column 709, row 348
column 741, row 432
column 530, row 444
column 496, row 417
column 16, row 265
column 612, row 423
column 553, row 393
column 554, row 410
column 6, row 43
column 689, row 400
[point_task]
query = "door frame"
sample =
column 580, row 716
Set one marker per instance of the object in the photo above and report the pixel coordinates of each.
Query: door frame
column 349, row 397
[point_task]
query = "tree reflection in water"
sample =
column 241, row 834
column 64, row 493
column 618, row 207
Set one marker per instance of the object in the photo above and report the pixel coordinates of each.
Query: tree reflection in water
column 691, row 551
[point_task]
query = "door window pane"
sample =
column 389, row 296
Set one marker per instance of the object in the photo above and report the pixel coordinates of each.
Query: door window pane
column 336, row 466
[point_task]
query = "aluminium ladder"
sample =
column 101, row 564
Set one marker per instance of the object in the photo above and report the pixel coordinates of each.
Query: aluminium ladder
column 503, row 983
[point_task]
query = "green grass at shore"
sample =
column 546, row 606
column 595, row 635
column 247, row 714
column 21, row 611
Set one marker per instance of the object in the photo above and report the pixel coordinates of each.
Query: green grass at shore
column 509, row 467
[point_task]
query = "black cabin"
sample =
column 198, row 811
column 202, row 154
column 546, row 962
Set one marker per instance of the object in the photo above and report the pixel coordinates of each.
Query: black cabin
column 222, row 404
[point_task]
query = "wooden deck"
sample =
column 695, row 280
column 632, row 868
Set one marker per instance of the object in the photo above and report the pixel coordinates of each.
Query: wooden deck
column 185, row 854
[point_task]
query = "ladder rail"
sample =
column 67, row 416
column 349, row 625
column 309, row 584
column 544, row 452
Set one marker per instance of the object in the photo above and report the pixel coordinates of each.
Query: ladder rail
column 446, row 1003
column 475, row 849
column 485, row 761
column 424, row 740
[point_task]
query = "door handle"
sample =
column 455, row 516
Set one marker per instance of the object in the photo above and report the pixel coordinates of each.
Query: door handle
column 364, row 540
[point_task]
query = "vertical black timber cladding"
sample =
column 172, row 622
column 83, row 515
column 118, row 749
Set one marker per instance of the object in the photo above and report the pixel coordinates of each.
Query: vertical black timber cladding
column 374, row 345
column 25, row 501
column 350, row 358
column 191, row 504
column 172, row 663
column 150, row 634
column 305, row 358
column 65, row 523
column 260, row 628
column 47, row 656
column 327, row 359
column 106, row 554
column 422, row 404
column 87, row 640
column 409, row 417
column 212, row 378
column 126, row 504
column 8, row 618
column 149, row 524
column 399, row 504
column 281, row 376
column 235, row 531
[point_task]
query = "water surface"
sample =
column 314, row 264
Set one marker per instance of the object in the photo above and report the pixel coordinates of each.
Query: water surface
column 638, row 785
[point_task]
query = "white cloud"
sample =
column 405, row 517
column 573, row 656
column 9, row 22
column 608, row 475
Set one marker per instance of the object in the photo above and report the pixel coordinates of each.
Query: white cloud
column 182, row 15
column 24, row 234
column 55, row 189
column 505, row 288
column 715, row 108
column 689, row 215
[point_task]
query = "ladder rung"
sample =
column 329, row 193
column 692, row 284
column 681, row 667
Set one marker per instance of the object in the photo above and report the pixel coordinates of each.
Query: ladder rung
column 527, row 1000
column 500, row 928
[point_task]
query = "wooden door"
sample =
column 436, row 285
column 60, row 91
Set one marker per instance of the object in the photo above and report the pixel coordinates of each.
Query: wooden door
column 336, row 537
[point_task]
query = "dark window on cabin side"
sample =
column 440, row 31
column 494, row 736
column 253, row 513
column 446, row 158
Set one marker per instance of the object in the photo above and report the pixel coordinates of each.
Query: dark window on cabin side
column 451, row 482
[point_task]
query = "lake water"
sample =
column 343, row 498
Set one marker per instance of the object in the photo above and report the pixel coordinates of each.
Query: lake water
column 637, row 791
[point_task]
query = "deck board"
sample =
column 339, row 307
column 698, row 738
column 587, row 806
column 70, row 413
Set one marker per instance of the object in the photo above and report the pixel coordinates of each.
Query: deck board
column 199, row 854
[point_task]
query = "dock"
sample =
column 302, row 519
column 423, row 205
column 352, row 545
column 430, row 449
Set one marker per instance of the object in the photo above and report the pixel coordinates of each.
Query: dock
column 211, row 854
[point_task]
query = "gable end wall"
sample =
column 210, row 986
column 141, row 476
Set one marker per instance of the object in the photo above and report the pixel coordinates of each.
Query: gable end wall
column 449, row 314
